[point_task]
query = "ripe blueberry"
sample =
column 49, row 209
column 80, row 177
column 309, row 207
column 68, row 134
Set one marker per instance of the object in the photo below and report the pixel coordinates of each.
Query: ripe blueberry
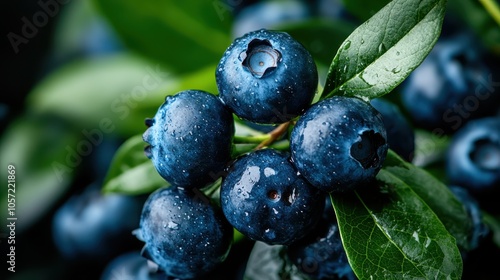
column 264, row 198
column 267, row 77
column 321, row 254
column 473, row 156
column 400, row 135
column 339, row 143
column 479, row 229
column 184, row 234
column 130, row 266
column 451, row 86
column 190, row 138
column 94, row 226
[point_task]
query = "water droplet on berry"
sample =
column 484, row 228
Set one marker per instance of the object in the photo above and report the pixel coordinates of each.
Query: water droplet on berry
column 172, row 225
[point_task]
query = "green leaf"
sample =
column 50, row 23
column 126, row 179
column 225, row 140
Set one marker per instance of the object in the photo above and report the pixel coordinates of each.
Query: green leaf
column 128, row 155
column 141, row 179
column 363, row 10
column 108, row 89
column 384, row 50
column 113, row 94
column 435, row 194
column 44, row 153
column 430, row 147
column 388, row 232
column 181, row 35
column 131, row 172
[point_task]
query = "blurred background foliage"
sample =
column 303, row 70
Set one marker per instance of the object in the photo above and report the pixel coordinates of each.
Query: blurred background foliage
column 82, row 83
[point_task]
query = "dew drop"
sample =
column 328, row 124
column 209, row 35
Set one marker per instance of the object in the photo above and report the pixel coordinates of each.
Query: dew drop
column 381, row 48
column 347, row 45
column 172, row 225
column 396, row 70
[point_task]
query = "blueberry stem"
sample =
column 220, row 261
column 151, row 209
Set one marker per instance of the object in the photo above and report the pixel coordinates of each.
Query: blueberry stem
column 240, row 149
column 282, row 145
column 492, row 8
column 255, row 139
column 274, row 135
column 213, row 188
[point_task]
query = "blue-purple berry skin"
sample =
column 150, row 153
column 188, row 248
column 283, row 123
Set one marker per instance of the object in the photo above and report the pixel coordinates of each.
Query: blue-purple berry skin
column 190, row 138
column 473, row 156
column 339, row 144
column 267, row 77
column 265, row 198
column 185, row 235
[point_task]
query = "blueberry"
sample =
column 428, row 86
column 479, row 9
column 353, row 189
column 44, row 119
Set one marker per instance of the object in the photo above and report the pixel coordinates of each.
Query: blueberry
column 479, row 229
column 400, row 135
column 93, row 226
column 265, row 198
column 451, row 86
column 339, row 143
column 130, row 266
column 267, row 77
column 473, row 156
column 185, row 235
column 190, row 138
column 320, row 254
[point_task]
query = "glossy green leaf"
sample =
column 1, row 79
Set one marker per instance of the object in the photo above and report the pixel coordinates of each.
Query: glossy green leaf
column 384, row 50
column 128, row 155
column 181, row 35
column 141, row 179
column 435, row 194
column 389, row 232
column 131, row 172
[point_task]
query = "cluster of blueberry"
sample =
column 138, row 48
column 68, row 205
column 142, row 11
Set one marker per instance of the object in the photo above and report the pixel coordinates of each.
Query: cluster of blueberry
column 337, row 145
column 454, row 93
